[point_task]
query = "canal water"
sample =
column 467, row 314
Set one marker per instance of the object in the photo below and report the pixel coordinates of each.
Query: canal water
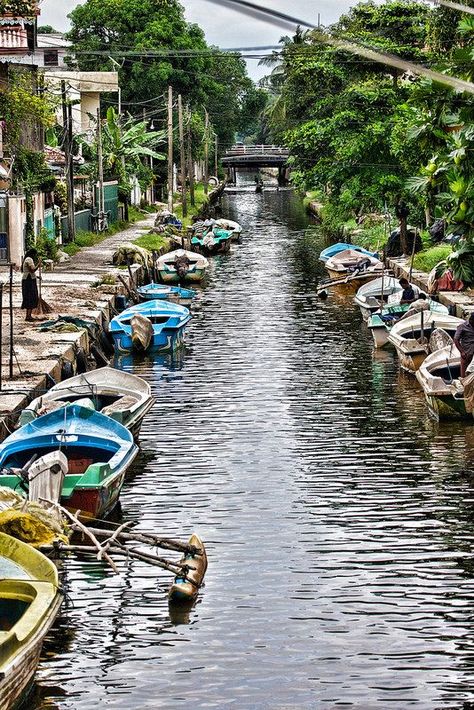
column 338, row 518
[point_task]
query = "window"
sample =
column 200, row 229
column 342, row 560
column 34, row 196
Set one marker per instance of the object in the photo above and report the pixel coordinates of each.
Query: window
column 51, row 58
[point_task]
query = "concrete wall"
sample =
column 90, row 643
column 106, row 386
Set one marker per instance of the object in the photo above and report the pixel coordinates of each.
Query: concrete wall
column 17, row 223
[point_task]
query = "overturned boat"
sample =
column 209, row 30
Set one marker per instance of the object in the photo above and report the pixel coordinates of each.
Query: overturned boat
column 115, row 393
column 182, row 265
column 167, row 322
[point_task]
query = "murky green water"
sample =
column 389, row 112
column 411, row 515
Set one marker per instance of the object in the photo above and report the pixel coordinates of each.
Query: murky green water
column 338, row 518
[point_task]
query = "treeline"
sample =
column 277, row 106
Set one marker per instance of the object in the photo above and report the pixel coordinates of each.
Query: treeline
column 365, row 137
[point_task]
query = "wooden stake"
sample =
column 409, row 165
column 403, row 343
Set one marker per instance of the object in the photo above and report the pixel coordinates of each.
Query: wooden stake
column 190, row 161
column 182, row 155
column 101, row 169
column 11, row 353
column 170, row 148
column 67, row 147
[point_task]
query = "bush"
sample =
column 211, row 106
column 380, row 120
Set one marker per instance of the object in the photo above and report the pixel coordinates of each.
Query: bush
column 427, row 260
column 46, row 245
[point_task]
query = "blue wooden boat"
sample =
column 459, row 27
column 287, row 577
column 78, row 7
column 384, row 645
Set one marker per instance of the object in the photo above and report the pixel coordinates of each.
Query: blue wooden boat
column 159, row 292
column 168, row 321
column 341, row 246
column 98, row 450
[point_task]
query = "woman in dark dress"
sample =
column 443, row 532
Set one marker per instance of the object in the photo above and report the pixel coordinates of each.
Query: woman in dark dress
column 29, row 285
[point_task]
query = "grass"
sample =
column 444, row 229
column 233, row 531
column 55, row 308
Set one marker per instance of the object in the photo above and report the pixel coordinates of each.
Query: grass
column 152, row 242
column 200, row 200
column 427, row 259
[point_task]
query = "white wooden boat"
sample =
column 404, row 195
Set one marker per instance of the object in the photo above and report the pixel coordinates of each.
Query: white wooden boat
column 380, row 322
column 230, row 226
column 120, row 395
column 411, row 336
column 351, row 263
column 171, row 269
column 373, row 295
column 439, row 376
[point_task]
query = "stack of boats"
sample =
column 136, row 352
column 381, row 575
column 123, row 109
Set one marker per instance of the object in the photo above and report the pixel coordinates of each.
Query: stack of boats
column 423, row 339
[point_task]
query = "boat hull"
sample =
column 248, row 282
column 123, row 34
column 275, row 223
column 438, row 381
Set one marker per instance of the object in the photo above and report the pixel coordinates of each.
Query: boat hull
column 164, row 342
column 447, row 407
column 379, row 335
column 183, row 591
column 352, row 285
column 171, row 277
column 411, row 362
column 96, row 502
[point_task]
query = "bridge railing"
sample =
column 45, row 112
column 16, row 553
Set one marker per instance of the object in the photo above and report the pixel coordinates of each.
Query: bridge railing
column 237, row 150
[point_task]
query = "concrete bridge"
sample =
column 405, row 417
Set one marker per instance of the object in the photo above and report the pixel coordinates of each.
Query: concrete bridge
column 254, row 157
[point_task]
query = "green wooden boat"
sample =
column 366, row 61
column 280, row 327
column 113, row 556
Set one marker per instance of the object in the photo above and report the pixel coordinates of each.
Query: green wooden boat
column 29, row 603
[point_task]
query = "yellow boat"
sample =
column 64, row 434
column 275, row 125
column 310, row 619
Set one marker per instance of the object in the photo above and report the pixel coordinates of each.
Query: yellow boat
column 29, row 603
column 186, row 589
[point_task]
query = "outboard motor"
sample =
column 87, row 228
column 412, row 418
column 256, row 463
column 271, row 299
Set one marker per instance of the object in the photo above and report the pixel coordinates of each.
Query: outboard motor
column 182, row 264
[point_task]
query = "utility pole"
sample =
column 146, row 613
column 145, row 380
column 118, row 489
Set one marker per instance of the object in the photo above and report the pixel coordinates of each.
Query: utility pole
column 216, row 160
column 170, row 148
column 67, row 146
column 190, row 160
column 182, row 155
column 206, row 154
column 101, row 172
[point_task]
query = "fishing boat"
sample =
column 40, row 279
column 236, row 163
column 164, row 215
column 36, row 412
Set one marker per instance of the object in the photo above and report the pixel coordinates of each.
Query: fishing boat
column 381, row 322
column 186, row 588
column 161, row 292
column 350, row 263
column 440, row 377
column 98, row 449
column 29, row 603
column 335, row 249
column 216, row 241
column 182, row 265
column 373, row 295
column 124, row 397
column 411, row 335
column 168, row 321
column 229, row 225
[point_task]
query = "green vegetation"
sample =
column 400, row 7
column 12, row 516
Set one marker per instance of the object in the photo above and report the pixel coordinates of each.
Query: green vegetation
column 200, row 199
column 427, row 259
column 152, row 242
column 366, row 138
column 90, row 239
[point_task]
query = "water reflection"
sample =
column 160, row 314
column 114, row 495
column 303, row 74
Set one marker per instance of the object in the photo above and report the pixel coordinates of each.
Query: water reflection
column 337, row 516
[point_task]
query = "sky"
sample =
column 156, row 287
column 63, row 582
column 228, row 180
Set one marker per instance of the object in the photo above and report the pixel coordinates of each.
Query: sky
column 223, row 26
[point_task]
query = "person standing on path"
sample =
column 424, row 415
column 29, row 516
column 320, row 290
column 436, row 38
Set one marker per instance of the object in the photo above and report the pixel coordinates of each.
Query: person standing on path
column 29, row 286
column 464, row 341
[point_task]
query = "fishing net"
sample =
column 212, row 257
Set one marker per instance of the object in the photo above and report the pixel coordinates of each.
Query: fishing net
column 28, row 521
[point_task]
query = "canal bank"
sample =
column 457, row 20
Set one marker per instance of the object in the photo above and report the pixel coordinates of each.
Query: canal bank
column 75, row 289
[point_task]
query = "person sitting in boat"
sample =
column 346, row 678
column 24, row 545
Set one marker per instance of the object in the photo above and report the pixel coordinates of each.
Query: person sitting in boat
column 408, row 294
column 421, row 304
column 464, row 341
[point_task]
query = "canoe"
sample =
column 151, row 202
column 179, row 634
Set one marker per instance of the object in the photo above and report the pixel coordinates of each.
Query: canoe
column 168, row 322
column 29, row 603
column 354, row 265
column 141, row 330
column 342, row 246
column 124, row 397
column 233, row 227
column 194, row 272
column 214, row 242
column 98, row 449
column 371, row 295
column 411, row 336
column 439, row 376
column 157, row 292
column 381, row 322
column 183, row 590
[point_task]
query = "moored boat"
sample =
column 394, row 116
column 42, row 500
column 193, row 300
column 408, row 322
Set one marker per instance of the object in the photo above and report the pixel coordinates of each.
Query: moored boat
column 229, row 225
column 186, row 588
column 381, row 322
column 168, row 321
column 439, row 376
column 374, row 295
column 216, row 241
column 157, row 292
column 29, row 603
column 410, row 336
column 117, row 394
column 98, row 449
column 182, row 265
column 350, row 269
column 342, row 246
